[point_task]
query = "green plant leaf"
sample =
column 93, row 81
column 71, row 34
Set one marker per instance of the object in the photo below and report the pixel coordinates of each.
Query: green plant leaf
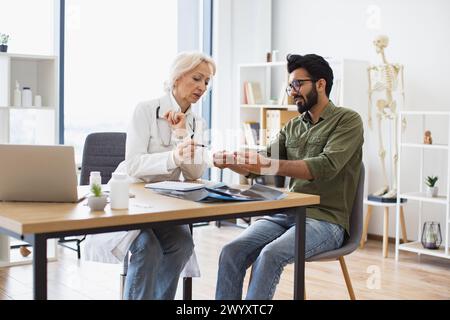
column 431, row 181
column 96, row 190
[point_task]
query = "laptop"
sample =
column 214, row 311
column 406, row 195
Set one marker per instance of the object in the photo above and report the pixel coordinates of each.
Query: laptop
column 36, row 173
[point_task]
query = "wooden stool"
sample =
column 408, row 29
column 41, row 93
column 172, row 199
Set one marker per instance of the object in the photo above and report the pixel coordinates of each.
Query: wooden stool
column 386, row 205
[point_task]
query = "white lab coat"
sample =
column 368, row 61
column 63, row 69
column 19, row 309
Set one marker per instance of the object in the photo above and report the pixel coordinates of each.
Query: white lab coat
column 149, row 157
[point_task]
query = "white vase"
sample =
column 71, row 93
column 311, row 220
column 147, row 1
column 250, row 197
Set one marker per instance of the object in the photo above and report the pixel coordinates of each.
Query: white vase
column 432, row 191
column 97, row 203
column 27, row 100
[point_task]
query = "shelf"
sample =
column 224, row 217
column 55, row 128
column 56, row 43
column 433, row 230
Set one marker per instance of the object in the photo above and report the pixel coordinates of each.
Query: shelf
column 421, row 196
column 29, row 108
column 17, row 56
column 442, row 199
column 425, row 146
column 269, row 106
column 12, row 257
column 418, row 248
column 425, row 113
column 264, row 64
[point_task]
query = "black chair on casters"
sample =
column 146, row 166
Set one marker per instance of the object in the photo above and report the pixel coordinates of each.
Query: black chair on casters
column 102, row 152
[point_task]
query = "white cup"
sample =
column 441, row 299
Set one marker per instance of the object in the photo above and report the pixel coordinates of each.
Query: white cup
column 37, row 101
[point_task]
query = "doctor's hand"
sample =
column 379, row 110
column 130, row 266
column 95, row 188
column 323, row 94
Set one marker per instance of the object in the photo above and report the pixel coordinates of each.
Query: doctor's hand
column 184, row 152
column 177, row 121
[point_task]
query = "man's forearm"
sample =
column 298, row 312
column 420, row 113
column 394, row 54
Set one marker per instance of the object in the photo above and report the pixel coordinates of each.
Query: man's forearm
column 238, row 169
column 294, row 168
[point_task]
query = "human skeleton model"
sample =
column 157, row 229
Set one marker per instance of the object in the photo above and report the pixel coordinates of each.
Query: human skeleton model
column 384, row 79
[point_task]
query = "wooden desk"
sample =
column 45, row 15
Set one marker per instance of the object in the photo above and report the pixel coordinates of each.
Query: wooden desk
column 37, row 222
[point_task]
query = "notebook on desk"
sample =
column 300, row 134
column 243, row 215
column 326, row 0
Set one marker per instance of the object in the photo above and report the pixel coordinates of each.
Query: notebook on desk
column 33, row 173
column 222, row 192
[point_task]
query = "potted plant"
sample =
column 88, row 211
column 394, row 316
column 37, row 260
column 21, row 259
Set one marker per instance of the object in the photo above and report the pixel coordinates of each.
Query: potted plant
column 4, row 42
column 432, row 190
column 97, row 201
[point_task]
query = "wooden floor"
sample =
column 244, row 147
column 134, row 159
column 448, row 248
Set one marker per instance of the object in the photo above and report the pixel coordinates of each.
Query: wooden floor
column 413, row 277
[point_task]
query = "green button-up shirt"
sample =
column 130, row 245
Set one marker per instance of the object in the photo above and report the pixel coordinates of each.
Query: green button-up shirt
column 332, row 150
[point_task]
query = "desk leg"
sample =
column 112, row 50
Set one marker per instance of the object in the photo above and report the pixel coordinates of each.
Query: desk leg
column 40, row 267
column 299, row 267
column 187, row 288
column 187, row 281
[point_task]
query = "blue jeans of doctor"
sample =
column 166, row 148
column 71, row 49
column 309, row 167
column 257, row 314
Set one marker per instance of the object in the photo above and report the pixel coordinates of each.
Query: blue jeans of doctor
column 269, row 247
column 158, row 256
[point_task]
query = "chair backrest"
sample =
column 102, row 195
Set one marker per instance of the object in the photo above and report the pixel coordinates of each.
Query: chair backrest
column 356, row 225
column 103, row 151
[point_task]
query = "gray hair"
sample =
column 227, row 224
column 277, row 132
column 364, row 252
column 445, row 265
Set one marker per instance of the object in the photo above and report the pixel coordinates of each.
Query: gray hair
column 185, row 62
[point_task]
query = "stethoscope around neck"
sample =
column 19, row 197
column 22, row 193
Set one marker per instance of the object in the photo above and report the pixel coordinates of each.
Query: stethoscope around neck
column 167, row 141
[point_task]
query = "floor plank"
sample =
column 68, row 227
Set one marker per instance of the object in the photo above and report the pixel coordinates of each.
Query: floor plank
column 373, row 277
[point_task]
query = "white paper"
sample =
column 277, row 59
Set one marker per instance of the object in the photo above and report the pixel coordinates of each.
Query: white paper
column 175, row 185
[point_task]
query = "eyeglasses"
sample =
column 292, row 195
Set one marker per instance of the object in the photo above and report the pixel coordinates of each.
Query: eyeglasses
column 296, row 85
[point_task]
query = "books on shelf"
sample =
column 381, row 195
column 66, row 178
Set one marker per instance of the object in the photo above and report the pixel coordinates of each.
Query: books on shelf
column 283, row 98
column 282, row 95
column 276, row 120
column 252, row 93
column 252, row 133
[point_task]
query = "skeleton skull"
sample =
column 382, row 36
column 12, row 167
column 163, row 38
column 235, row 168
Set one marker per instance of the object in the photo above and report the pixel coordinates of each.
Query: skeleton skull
column 381, row 42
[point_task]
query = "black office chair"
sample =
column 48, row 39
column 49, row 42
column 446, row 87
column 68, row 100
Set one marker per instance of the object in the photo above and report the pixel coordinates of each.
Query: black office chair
column 102, row 152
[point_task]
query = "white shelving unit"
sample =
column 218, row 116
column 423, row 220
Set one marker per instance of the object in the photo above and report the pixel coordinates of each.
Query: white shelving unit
column 30, row 125
column 34, row 125
column 271, row 78
column 349, row 90
column 420, row 196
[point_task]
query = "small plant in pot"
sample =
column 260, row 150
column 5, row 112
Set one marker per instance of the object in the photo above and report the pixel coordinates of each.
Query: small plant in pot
column 97, row 201
column 4, row 38
column 432, row 190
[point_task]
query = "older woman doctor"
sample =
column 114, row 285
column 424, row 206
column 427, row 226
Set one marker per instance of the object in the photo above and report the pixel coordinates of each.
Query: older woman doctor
column 160, row 146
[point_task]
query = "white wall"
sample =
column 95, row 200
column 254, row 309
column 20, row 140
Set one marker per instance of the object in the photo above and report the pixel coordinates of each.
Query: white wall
column 419, row 39
column 242, row 29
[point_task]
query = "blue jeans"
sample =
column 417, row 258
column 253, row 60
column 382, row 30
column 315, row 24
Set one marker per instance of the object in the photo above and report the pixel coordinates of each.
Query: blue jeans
column 158, row 256
column 269, row 247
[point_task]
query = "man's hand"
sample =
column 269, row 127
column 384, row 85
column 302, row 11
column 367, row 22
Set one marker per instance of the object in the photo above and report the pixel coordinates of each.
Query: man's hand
column 224, row 159
column 255, row 163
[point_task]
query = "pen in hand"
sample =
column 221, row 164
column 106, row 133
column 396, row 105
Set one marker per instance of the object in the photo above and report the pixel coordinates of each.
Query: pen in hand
column 200, row 145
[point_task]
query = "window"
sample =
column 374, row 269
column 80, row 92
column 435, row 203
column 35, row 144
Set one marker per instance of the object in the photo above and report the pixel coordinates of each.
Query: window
column 117, row 54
